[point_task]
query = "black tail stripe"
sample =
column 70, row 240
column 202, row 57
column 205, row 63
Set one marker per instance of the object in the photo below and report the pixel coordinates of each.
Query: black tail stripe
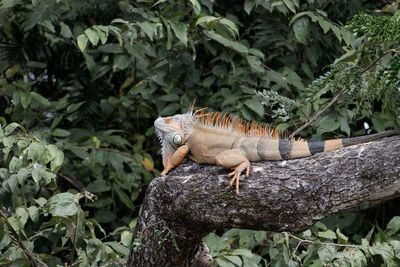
column 285, row 148
column 262, row 148
column 316, row 147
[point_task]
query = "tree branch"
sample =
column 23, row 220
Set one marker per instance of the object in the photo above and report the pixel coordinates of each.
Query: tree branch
column 180, row 209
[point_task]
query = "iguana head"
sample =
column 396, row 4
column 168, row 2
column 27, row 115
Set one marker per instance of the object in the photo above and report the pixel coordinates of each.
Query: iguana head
column 173, row 132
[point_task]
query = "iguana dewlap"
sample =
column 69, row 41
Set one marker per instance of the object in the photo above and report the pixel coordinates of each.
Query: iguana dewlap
column 219, row 139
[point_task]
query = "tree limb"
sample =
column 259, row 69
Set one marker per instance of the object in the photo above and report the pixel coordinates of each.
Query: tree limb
column 180, row 209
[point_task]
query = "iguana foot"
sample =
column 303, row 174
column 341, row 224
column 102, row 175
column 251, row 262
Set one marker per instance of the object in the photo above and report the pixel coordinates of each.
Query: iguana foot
column 237, row 172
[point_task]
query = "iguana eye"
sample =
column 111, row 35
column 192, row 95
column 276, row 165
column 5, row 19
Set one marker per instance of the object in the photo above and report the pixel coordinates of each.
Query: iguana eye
column 177, row 139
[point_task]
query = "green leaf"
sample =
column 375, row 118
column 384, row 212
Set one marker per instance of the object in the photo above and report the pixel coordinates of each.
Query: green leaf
column 34, row 213
column 82, row 42
column 58, row 132
column 92, row 36
column 328, row 124
column 126, row 238
column 385, row 251
column 9, row 3
column 22, row 215
column 257, row 53
column 15, row 164
column 105, row 216
column 11, row 184
column 38, row 172
column 41, row 201
column 180, row 30
column 63, row 205
column 65, row 31
column 35, row 151
column 238, row 47
column 301, row 29
column 9, row 141
column 206, row 20
column 98, row 186
column 23, row 173
column 26, row 98
column 148, row 28
column 344, row 126
column 118, row 248
column 325, row 25
column 4, row 173
column 10, row 72
column 242, row 252
column 328, row 234
column 393, row 226
column 10, row 128
column 326, row 253
column 102, row 32
column 249, row 5
column 290, row 5
column 222, row 262
column 255, row 64
column 57, row 157
column 341, row 237
column 75, row 106
column 169, row 109
column 215, row 244
column 255, row 260
column 230, row 26
column 256, row 106
column 117, row 33
column 125, row 198
column 5, row 241
column 196, row 6
column 348, row 56
column 234, row 259
column 40, row 99
column 121, row 62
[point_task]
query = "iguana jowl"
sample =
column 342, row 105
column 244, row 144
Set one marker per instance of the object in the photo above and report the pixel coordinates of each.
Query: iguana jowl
column 219, row 139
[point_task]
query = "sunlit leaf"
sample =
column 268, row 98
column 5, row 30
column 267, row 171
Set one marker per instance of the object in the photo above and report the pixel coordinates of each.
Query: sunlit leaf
column 82, row 42
column 63, row 204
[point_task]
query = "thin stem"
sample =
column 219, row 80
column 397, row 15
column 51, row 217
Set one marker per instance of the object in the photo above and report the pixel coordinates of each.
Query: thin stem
column 33, row 261
column 316, row 115
column 319, row 242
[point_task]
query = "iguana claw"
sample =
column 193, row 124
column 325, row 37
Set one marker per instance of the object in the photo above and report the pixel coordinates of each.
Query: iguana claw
column 236, row 174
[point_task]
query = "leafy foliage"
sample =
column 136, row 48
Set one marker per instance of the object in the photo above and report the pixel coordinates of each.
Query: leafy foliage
column 82, row 81
column 322, row 245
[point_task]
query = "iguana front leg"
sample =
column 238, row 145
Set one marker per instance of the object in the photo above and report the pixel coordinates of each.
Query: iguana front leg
column 234, row 160
column 175, row 160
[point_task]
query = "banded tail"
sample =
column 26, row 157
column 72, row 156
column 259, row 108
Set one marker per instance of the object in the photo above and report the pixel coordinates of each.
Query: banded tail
column 299, row 149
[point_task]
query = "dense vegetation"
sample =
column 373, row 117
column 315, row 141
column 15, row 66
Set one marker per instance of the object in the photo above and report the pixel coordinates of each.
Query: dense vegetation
column 82, row 81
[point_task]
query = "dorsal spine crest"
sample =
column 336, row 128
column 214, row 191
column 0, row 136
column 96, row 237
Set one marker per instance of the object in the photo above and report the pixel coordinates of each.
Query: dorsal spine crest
column 228, row 121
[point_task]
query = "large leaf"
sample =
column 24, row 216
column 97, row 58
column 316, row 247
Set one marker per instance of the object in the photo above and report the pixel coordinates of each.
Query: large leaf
column 301, row 29
column 180, row 30
column 63, row 204
column 236, row 46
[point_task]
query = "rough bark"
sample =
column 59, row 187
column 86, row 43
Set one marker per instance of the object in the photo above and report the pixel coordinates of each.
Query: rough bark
column 180, row 209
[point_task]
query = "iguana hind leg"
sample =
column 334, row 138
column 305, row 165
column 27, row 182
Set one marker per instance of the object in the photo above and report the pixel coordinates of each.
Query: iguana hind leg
column 234, row 160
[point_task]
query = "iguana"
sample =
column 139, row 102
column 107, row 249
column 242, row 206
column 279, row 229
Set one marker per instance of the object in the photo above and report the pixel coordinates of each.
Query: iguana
column 220, row 139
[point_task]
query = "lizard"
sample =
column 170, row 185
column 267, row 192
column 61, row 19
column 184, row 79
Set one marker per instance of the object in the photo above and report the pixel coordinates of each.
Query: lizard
column 221, row 139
